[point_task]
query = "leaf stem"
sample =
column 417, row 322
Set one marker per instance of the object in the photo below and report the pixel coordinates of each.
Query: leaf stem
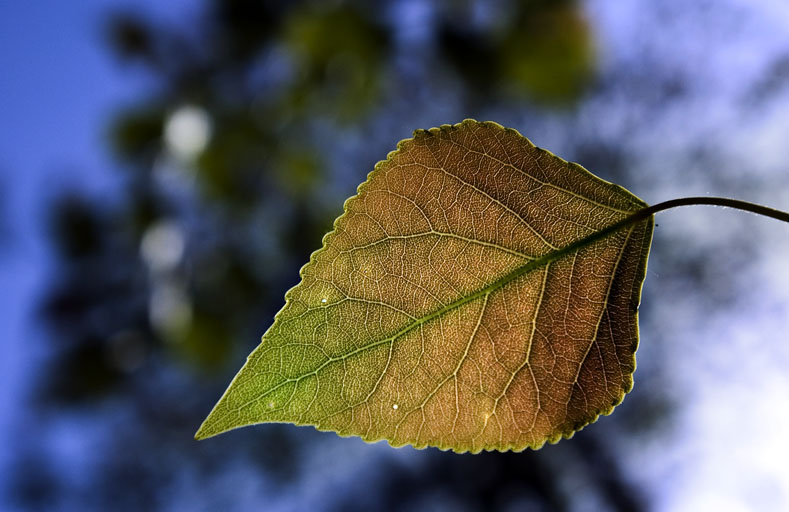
column 686, row 201
column 713, row 201
column 647, row 212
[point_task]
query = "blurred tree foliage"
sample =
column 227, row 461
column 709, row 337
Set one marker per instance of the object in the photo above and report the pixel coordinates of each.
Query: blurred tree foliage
column 229, row 184
column 541, row 50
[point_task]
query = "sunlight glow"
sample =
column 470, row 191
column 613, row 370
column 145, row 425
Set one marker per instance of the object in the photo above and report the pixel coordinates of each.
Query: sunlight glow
column 169, row 309
column 162, row 246
column 187, row 132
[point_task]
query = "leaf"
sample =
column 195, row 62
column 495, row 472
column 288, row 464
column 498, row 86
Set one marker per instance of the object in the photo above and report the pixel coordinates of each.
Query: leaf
column 449, row 306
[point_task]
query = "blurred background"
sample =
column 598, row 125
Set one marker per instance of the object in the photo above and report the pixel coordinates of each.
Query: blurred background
column 167, row 167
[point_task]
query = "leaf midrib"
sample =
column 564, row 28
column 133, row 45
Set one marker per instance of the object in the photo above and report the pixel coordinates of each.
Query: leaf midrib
column 496, row 285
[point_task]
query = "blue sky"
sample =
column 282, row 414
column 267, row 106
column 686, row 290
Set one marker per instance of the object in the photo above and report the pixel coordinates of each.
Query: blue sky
column 58, row 87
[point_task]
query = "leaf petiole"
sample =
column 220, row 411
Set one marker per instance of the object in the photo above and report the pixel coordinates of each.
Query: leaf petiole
column 709, row 201
column 647, row 212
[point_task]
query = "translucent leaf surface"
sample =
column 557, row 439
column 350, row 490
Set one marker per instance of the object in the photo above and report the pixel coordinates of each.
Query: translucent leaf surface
column 445, row 309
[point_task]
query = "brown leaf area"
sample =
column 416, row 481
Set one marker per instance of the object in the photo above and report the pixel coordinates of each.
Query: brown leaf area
column 443, row 310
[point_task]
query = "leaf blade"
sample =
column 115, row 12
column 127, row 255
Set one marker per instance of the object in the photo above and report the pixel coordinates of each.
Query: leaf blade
column 428, row 256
